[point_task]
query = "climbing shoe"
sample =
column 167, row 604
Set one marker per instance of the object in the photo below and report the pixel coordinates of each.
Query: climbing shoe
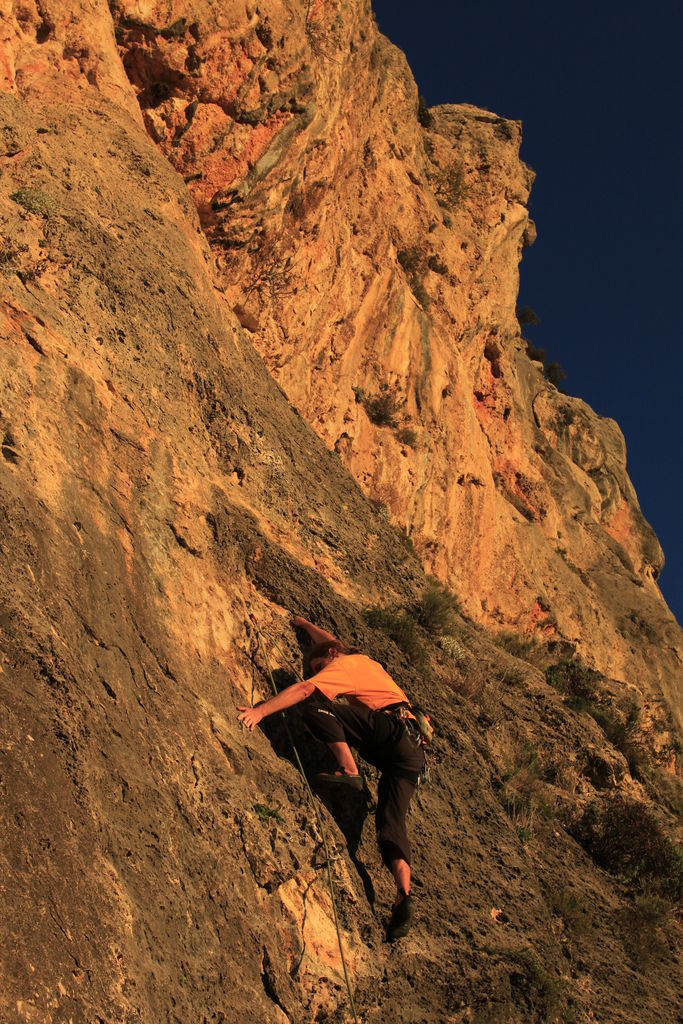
column 401, row 919
column 330, row 779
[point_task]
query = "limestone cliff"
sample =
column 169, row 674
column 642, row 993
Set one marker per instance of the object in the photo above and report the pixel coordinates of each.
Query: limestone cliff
column 375, row 262
column 158, row 864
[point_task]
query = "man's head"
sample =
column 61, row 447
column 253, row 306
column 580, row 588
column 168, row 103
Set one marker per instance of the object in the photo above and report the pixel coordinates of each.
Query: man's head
column 322, row 655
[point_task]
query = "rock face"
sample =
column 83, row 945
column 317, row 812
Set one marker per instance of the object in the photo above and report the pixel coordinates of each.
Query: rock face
column 374, row 260
column 157, row 486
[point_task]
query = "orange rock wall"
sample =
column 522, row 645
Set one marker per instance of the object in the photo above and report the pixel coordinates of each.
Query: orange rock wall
column 159, row 862
column 374, row 258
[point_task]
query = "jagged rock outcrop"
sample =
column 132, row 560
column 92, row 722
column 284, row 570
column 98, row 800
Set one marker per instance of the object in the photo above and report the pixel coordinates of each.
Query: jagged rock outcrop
column 158, row 864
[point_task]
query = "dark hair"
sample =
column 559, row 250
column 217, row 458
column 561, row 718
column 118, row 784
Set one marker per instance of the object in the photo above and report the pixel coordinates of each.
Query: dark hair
column 321, row 650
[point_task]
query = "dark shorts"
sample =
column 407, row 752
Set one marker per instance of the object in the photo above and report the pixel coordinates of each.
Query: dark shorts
column 382, row 740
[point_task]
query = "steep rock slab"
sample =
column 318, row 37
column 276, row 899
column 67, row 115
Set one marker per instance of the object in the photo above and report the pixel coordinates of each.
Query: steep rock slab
column 158, row 864
column 136, row 425
column 374, row 260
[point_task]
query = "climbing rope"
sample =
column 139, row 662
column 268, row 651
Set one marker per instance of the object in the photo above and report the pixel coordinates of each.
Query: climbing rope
column 316, row 809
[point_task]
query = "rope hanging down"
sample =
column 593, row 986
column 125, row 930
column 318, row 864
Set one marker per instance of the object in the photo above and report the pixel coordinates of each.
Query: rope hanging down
column 313, row 800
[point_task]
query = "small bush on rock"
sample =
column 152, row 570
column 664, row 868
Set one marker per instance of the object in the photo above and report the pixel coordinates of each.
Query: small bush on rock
column 519, row 646
column 450, row 187
column 536, row 354
column 382, row 408
column 11, row 255
column 572, row 911
column 436, row 607
column 412, row 261
column 451, row 646
column 641, row 924
column 423, row 115
column 554, row 373
column 268, row 814
column 436, row 264
column 34, row 200
column 526, row 315
column 625, row 838
column 406, row 435
column 520, row 793
column 581, row 686
column 400, row 626
column 574, row 678
column 421, row 294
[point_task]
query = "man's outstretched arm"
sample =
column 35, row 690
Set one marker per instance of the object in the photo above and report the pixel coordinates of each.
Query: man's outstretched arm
column 250, row 717
column 317, row 635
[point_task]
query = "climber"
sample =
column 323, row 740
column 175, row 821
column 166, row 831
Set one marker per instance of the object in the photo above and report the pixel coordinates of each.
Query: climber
column 374, row 721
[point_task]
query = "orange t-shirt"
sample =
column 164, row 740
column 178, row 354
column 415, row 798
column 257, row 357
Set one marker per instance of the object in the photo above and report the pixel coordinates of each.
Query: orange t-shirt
column 361, row 680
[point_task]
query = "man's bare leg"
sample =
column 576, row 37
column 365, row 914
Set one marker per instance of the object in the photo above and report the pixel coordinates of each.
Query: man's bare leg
column 400, row 869
column 403, row 911
column 344, row 757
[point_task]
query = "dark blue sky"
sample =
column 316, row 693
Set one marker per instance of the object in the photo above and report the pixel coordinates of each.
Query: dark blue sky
column 598, row 90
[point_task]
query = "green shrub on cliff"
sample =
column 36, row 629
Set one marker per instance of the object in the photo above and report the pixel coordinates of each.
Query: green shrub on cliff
column 641, row 923
column 400, row 626
column 412, row 261
column 581, row 686
column 450, row 187
column 436, row 264
column 34, row 200
column 421, row 294
column 526, row 315
column 436, row 607
column 10, row 253
column 574, row 678
column 406, row 435
column 382, row 408
column 423, row 115
column 554, row 373
column 519, row 646
column 625, row 838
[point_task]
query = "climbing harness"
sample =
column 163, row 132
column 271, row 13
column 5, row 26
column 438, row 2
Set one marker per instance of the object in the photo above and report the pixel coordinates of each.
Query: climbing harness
column 418, row 728
column 417, row 724
column 328, row 859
